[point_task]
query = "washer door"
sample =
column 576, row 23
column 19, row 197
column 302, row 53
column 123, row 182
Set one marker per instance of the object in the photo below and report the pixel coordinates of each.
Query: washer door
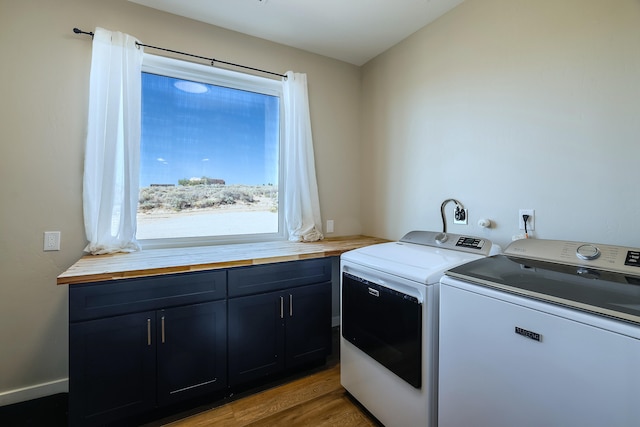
column 385, row 324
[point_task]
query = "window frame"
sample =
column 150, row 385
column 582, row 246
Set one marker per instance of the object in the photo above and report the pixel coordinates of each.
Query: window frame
column 171, row 67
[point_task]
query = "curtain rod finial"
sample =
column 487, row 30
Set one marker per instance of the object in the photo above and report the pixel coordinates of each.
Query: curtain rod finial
column 79, row 31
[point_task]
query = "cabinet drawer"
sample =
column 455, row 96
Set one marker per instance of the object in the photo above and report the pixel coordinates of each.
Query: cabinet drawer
column 272, row 277
column 104, row 299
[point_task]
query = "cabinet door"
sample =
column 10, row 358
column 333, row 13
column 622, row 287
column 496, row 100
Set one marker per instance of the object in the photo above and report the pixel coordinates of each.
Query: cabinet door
column 192, row 351
column 256, row 336
column 112, row 368
column 308, row 324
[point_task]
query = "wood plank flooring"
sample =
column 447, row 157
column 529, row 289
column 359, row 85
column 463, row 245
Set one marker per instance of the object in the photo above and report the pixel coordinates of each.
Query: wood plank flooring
column 315, row 400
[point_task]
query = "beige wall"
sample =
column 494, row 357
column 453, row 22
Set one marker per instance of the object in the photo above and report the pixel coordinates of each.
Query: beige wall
column 508, row 104
column 503, row 104
column 44, row 75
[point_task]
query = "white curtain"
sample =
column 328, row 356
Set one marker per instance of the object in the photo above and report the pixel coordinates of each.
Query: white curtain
column 302, row 206
column 112, row 156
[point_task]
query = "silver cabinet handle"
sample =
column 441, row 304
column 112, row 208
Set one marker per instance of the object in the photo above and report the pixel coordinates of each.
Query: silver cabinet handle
column 148, row 331
column 162, row 329
column 290, row 305
column 193, row 386
column 282, row 307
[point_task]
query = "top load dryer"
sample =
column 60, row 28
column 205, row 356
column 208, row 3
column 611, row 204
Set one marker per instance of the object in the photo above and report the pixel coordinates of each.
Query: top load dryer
column 389, row 322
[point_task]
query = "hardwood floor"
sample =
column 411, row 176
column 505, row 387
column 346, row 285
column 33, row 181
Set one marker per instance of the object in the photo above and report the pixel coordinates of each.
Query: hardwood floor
column 315, row 400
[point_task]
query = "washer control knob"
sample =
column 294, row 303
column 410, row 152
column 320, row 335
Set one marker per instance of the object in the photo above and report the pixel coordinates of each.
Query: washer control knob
column 587, row 252
column 441, row 238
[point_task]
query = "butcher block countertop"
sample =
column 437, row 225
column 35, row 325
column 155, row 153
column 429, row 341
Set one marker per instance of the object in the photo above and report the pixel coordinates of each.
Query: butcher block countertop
column 152, row 262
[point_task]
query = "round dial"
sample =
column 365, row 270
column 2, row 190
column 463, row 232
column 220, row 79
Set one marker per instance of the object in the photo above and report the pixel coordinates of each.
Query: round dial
column 587, row 252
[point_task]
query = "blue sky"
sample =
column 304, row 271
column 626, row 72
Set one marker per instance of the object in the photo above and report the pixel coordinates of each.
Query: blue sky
column 192, row 130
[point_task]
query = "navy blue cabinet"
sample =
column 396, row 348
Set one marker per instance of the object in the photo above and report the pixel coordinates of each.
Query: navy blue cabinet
column 191, row 351
column 123, row 364
column 279, row 318
column 256, row 337
column 112, row 369
column 308, row 325
column 139, row 345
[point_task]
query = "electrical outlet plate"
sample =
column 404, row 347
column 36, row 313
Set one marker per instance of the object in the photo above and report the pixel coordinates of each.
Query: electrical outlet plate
column 51, row 240
column 531, row 223
column 329, row 226
column 463, row 218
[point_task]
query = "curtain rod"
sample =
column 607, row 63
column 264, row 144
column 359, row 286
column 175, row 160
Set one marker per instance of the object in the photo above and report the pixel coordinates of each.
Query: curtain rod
column 211, row 60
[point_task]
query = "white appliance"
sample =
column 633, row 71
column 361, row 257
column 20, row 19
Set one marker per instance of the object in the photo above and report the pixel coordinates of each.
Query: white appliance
column 547, row 334
column 389, row 322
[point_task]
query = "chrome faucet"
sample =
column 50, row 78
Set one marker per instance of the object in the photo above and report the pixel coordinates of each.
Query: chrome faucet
column 442, row 237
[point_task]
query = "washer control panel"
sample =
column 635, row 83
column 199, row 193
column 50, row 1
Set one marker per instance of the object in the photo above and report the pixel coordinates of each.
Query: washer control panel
column 470, row 242
column 633, row 258
column 621, row 259
column 451, row 241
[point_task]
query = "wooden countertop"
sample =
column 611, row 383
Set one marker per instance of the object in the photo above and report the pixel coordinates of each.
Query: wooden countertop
column 97, row 268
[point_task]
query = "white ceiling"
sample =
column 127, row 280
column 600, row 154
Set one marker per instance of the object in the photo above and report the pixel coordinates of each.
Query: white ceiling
column 353, row 31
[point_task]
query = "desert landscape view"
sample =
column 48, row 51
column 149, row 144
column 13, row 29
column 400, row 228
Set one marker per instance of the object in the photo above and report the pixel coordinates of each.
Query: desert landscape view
column 193, row 210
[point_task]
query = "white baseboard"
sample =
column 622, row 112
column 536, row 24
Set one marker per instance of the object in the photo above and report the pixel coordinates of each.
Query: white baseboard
column 34, row 392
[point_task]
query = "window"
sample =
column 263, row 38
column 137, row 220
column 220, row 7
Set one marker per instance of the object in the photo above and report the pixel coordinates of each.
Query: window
column 210, row 168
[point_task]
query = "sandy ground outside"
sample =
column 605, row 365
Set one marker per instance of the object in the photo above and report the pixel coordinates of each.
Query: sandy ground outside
column 223, row 221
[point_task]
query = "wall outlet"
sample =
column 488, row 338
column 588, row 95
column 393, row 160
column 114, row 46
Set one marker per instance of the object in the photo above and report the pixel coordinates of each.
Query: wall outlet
column 329, row 226
column 51, row 240
column 531, row 222
column 460, row 216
